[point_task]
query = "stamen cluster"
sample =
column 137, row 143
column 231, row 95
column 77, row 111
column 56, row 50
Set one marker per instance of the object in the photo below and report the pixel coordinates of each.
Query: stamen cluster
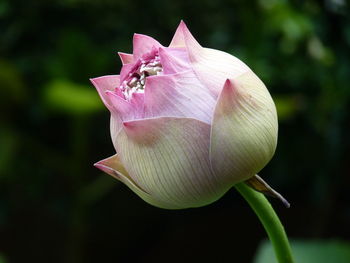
column 135, row 83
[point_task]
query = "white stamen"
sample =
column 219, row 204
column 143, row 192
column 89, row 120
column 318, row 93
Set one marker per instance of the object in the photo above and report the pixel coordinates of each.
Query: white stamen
column 133, row 82
column 137, row 79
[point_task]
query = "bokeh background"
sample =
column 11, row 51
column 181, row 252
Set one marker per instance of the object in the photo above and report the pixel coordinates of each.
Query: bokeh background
column 56, row 207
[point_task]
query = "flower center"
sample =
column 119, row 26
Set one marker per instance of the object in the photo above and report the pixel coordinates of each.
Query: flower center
column 136, row 80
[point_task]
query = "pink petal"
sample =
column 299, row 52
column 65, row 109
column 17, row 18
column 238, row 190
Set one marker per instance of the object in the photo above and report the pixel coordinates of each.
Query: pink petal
column 115, row 168
column 216, row 64
column 113, row 99
column 143, row 44
column 123, row 108
column 169, row 158
column 178, row 95
column 179, row 53
column 174, row 60
column 208, row 62
column 183, row 37
column 103, row 84
column 111, row 166
column 127, row 69
column 137, row 102
column 126, row 58
column 244, row 129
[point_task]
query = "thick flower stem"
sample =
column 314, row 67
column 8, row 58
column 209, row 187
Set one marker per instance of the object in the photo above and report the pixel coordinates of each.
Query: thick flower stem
column 270, row 221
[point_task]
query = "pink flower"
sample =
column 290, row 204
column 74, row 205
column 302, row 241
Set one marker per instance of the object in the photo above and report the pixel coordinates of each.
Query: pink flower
column 187, row 122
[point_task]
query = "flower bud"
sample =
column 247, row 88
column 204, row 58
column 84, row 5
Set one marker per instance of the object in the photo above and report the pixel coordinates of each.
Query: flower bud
column 187, row 122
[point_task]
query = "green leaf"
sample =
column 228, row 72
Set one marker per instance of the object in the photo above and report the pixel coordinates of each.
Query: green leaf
column 309, row 251
column 2, row 260
column 68, row 97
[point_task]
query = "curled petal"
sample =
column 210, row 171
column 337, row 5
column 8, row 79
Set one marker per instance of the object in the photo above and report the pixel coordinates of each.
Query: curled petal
column 120, row 106
column 244, row 129
column 169, row 159
column 115, row 168
column 124, row 109
column 143, row 44
column 106, row 83
column 121, row 110
column 126, row 69
column 126, row 58
column 178, row 95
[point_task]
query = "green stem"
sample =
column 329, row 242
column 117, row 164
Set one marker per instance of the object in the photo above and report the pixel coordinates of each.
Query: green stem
column 270, row 221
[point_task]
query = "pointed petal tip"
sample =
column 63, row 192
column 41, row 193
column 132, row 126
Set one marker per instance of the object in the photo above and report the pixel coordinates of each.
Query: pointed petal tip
column 146, row 40
column 104, row 84
column 136, row 36
column 229, row 88
column 183, row 38
column 101, row 166
column 143, row 44
column 181, row 34
column 127, row 124
column 125, row 57
column 112, row 166
column 98, row 165
column 130, row 126
column 182, row 24
column 114, row 96
column 136, row 127
column 93, row 80
column 227, row 82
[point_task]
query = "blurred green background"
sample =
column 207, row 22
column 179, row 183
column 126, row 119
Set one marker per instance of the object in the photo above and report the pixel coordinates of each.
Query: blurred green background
column 56, row 207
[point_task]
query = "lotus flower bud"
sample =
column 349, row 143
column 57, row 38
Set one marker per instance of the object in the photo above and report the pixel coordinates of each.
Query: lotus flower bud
column 187, row 122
